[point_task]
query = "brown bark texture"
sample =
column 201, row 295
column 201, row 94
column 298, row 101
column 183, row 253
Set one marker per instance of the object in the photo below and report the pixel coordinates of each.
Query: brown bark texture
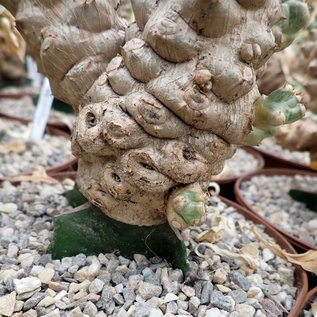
column 161, row 103
column 308, row 67
column 273, row 76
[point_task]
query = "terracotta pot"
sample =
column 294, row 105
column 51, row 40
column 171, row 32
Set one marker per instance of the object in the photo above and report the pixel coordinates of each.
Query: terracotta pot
column 312, row 294
column 270, row 172
column 57, row 125
column 60, row 176
column 8, row 93
column 69, row 165
column 272, row 160
column 301, row 280
column 227, row 183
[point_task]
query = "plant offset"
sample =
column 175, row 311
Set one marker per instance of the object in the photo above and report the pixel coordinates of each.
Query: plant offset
column 163, row 102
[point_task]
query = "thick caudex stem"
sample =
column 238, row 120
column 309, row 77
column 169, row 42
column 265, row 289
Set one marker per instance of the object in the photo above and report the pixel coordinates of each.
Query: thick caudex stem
column 161, row 103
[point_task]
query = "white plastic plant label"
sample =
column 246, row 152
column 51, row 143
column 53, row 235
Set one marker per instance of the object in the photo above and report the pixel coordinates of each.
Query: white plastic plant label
column 33, row 74
column 42, row 111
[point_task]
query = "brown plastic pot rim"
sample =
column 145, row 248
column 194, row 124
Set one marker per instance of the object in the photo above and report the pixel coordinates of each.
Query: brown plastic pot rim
column 68, row 164
column 310, row 296
column 56, row 125
column 8, row 95
column 300, row 275
column 260, row 166
column 60, row 176
column 281, row 160
column 274, row 171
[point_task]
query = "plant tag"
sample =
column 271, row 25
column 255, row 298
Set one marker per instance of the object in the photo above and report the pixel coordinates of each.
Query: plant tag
column 42, row 112
column 33, row 74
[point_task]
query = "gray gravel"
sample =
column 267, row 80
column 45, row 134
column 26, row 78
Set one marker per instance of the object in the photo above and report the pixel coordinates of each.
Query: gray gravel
column 269, row 145
column 32, row 284
column 268, row 195
column 48, row 152
column 241, row 163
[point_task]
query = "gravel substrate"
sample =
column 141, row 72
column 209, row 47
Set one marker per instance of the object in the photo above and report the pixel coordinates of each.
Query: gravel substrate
column 32, row 284
column 48, row 152
column 24, row 108
column 270, row 146
column 268, row 195
column 241, row 163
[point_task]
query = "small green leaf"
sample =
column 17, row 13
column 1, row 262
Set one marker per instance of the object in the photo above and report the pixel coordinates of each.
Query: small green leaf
column 75, row 197
column 92, row 232
column 308, row 198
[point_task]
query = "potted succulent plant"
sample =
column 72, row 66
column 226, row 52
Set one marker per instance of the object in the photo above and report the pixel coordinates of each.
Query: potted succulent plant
column 163, row 102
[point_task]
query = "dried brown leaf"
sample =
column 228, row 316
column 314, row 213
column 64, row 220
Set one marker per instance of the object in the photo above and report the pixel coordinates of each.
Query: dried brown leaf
column 247, row 254
column 307, row 260
column 216, row 232
column 38, row 176
column 14, row 146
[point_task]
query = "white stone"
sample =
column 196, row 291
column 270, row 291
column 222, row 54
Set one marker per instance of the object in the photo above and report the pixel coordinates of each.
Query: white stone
column 36, row 269
column 18, row 305
column 76, row 312
column 223, row 289
column 188, row 291
column 82, row 274
column 170, row 297
column 54, row 313
column 83, row 286
column 244, row 310
column 27, row 284
column 46, row 275
column 60, row 295
column 155, row 312
column 312, row 225
column 255, row 280
column 46, row 301
column 96, row 286
column 13, row 250
column 93, row 269
column 259, row 314
column 286, row 274
column 5, row 275
column 90, row 309
column 26, row 259
column 7, row 232
column 30, row 313
column 50, row 292
column 220, row 276
column 139, row 258
column 7, row 304
column 79, row 295
column 148, row 290
column 213, row 312
column 255, row 292
column 9, row 208
column 268, row 255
